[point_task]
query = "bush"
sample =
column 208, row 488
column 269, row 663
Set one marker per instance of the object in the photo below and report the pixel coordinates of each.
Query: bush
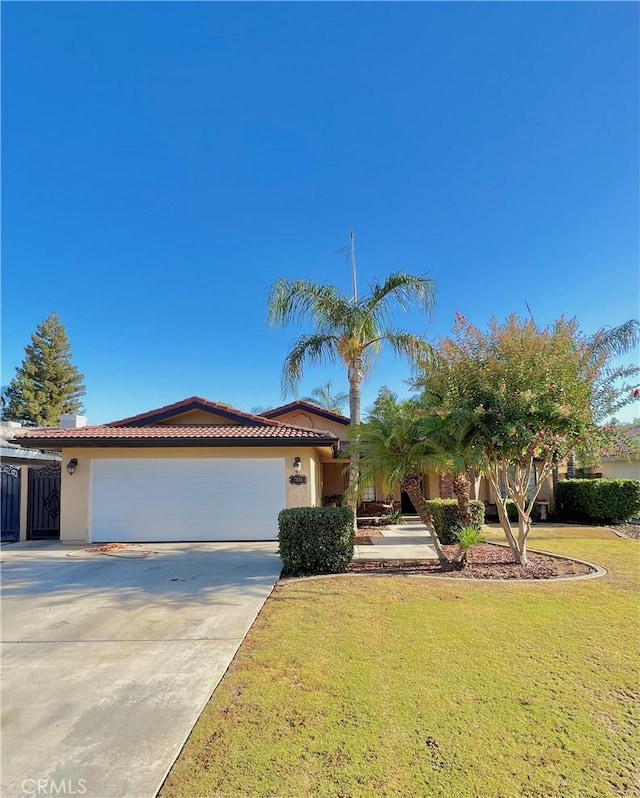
column 598, row 500
column 467, row 537
column 446, row 518
column 315, row 540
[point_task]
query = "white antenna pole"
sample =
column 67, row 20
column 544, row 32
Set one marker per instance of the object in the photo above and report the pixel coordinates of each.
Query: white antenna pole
column 353, row 266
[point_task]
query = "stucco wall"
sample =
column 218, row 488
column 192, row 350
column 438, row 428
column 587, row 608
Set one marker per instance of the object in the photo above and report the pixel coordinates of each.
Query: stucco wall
column 620, row 469
column 195, row 417
column 333, row 481
column 302, row 418
column 75, row 490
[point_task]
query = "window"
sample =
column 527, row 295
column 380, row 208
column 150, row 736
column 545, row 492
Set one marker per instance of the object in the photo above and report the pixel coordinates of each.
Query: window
column 532, row 481
column 369, row 492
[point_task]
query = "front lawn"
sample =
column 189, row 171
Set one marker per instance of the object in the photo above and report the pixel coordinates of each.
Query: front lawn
column 362, row 686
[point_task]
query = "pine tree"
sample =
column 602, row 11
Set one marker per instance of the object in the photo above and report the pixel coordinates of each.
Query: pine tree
column 46, row 384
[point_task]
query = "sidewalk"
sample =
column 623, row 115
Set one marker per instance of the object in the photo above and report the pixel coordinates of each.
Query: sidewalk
column 409, row 541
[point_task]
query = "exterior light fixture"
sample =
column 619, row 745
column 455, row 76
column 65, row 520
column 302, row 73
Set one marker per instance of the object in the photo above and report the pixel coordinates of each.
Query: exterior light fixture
column 72, row 465
column 297, row 465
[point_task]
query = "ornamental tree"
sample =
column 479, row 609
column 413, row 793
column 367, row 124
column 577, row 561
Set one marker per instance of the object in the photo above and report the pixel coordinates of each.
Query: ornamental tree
column 46, row 384
column 527, row 396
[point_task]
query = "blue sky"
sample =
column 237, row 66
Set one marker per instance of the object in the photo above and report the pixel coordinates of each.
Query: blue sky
column 164, row 163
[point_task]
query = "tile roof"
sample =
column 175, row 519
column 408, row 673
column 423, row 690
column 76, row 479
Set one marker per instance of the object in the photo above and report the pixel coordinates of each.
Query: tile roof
column 184, row 406
column 300, row 404
column 198, row 433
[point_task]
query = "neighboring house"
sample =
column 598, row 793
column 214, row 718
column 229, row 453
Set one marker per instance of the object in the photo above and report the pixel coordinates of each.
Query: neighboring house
column 16, row 463
column 620, row 467
column 193, row 470
column 16, row 455
column 623, row 466
column 624, row 463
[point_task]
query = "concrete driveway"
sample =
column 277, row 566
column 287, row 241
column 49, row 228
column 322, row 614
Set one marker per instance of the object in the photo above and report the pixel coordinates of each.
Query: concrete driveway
column 107, row 661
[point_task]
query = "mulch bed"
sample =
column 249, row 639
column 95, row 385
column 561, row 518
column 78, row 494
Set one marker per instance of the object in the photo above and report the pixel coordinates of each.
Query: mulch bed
column 485, row 561
column 627, row 530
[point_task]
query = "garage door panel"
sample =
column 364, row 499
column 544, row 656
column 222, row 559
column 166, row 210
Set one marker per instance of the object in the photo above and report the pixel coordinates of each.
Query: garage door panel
column 194, row 499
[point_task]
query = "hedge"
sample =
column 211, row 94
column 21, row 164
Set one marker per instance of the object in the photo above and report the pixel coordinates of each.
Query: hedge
column 446, row 518
column 315, row 540
column 598, row 500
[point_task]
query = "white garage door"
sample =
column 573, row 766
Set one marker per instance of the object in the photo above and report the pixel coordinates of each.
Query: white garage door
column 173, row 500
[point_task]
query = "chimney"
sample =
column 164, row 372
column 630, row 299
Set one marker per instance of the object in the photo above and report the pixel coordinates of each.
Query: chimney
column 72, row 421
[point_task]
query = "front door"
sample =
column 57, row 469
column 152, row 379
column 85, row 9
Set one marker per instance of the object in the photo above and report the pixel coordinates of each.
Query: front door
column 406, row 505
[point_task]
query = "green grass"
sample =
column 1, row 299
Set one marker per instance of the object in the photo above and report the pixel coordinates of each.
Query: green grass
column 360, row 686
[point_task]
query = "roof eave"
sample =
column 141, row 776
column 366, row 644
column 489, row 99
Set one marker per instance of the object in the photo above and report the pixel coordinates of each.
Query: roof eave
column 122, row 443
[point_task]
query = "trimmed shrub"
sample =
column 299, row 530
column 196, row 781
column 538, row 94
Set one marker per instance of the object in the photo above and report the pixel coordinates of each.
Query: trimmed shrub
column 598, row 500
column 315, row 540
column 446, row 518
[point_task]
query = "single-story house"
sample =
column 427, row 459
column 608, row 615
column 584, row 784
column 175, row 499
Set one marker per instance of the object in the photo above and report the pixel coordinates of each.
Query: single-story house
column 620, row 467
column 193, row 470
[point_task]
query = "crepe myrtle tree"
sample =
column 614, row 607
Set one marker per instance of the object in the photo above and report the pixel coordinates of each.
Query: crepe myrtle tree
column 527, row 396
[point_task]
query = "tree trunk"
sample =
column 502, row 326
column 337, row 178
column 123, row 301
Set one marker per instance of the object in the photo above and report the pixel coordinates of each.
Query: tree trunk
column 506, row 528
column 356, row 375
column 411, row 486
column 355, row 381
column 494, row 481
column 474, row 483
column 554, row 483
column 524, row 527
column 461, row 489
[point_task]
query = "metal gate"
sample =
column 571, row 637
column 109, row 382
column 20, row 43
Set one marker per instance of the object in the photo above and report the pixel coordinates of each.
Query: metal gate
column 10, row 503
column 43, row 504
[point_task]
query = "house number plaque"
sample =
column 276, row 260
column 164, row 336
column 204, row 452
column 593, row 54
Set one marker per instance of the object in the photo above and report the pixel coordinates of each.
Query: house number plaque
column 298, row 479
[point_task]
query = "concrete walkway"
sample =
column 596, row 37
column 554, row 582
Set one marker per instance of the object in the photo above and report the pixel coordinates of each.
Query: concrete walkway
column 108, row 661
column 408, row 541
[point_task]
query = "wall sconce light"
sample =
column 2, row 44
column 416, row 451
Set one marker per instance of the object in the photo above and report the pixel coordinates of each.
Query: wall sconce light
column 297, row 465
column 72, row 465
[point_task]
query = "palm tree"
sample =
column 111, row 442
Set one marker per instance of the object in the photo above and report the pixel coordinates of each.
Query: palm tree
column 453, row 437
column 607, row 345
column 454, row 444
column 394, row 443
column 614, row 342
column 323, row 397
column 348, row 329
